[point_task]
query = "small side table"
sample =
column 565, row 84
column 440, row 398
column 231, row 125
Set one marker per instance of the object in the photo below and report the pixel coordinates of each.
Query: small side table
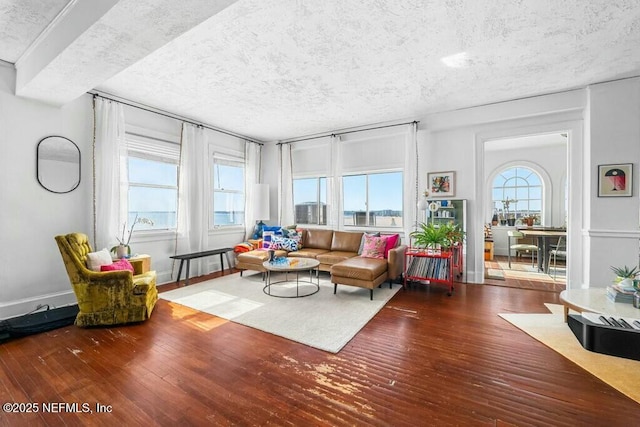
column 141, row 263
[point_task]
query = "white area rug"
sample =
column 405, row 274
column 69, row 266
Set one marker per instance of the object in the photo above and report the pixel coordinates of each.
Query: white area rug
column 323, row 320
column 551, row 330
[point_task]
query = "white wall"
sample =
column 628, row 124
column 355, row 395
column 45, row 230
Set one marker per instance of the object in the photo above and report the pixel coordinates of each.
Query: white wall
column 611, row 234
column 32, row 271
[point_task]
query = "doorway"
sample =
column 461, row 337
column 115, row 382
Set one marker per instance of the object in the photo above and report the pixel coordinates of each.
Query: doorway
column 525, row 190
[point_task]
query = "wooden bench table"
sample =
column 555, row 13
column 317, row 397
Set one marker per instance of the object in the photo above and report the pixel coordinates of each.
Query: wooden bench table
column 189, row 257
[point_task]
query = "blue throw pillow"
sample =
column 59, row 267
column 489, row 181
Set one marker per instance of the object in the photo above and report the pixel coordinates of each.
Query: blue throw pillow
column 277, row 230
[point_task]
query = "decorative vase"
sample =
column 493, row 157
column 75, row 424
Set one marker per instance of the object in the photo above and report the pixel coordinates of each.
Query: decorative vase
column 511, row 221
column 122, row 251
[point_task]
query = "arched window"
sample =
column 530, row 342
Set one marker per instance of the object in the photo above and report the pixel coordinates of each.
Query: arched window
column 522, row 187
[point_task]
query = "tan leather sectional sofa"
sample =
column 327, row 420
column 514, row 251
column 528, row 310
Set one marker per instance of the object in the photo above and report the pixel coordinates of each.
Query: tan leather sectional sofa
column 337, row 252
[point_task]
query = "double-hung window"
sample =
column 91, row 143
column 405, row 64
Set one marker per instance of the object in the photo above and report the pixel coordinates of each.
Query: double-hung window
column 152, row 171
column 228, row 191
column 373, row 199
column 310, row 200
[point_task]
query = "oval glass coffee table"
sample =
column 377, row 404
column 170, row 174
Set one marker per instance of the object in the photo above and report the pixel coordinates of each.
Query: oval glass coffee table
column 292, row 288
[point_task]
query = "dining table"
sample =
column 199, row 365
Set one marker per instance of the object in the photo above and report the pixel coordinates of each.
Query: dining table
column 543, row 236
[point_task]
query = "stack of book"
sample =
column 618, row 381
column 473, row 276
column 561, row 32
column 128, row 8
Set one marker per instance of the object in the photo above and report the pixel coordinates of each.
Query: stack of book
column 618, row 293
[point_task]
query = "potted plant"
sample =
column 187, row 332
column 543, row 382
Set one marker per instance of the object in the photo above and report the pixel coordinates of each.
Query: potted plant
column 530, row 219
column 430, row 236
column 511, row 218
column 440, row 236
column 122, row 249
column 455, row 235
column 625, row 276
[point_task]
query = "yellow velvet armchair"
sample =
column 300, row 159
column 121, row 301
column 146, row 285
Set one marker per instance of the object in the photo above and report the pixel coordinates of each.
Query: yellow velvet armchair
column 109, row 297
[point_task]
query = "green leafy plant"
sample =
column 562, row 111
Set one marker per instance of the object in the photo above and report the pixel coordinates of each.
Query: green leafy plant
column 625, row 272
column 429, row 236
column 440, row 236
column 455, row 235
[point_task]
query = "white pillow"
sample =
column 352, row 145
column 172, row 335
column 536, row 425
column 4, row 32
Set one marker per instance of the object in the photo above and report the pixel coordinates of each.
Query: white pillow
column 95, row 260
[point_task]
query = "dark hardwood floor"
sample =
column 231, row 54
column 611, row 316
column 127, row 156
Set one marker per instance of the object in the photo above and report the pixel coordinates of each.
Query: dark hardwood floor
column 425, row 359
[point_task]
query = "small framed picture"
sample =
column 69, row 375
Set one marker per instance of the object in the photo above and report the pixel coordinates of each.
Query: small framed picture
column 615, row 180
column 441, row 184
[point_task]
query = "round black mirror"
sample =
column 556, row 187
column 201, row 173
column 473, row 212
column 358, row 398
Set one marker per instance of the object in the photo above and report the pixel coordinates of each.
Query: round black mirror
column 58, row 164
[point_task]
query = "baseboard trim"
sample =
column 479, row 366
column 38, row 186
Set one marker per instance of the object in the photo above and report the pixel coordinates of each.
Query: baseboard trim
column 27, row 305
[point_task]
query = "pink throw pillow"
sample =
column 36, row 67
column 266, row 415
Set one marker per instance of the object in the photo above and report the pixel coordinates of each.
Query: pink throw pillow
column 373, row 247
column 121, row 264
column 392, row 241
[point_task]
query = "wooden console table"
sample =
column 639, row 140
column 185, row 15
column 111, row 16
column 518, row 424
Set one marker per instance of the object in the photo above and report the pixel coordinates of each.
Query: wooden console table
column 189, row 257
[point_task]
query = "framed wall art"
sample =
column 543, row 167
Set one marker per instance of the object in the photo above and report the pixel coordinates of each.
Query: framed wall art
column 615, row 180
column 441, row 184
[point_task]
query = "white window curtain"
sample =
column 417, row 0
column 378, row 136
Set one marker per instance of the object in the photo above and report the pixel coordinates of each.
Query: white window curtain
column 192, row 196
column 110, row 166
column 410, row 184
column 334, row 183
column 285, row 187
column 252, row 171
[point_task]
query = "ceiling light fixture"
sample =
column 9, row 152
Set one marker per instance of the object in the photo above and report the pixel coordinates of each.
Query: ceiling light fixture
column 458, row 60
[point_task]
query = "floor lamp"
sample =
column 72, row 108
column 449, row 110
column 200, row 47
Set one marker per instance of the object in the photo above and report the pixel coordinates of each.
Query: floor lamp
column 261, row 206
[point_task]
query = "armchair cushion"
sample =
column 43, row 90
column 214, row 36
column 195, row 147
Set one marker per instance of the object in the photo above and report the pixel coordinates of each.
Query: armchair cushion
column 95, row 260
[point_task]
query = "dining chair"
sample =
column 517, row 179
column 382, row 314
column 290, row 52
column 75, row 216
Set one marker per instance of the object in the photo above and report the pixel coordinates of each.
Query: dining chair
column 522, row 247
column 559, row 250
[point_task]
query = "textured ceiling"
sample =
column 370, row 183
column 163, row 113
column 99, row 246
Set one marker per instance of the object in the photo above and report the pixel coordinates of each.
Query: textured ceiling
column 287, row 68
column 21, row 21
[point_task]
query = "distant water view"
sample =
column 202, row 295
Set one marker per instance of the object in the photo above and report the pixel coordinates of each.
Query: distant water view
column 167, row 220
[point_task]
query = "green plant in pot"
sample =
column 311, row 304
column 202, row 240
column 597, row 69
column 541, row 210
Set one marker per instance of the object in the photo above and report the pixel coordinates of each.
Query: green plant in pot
column 625, row 276
column 455, row 235
column 430, row 236
column 441, row 236
column 122, row 249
